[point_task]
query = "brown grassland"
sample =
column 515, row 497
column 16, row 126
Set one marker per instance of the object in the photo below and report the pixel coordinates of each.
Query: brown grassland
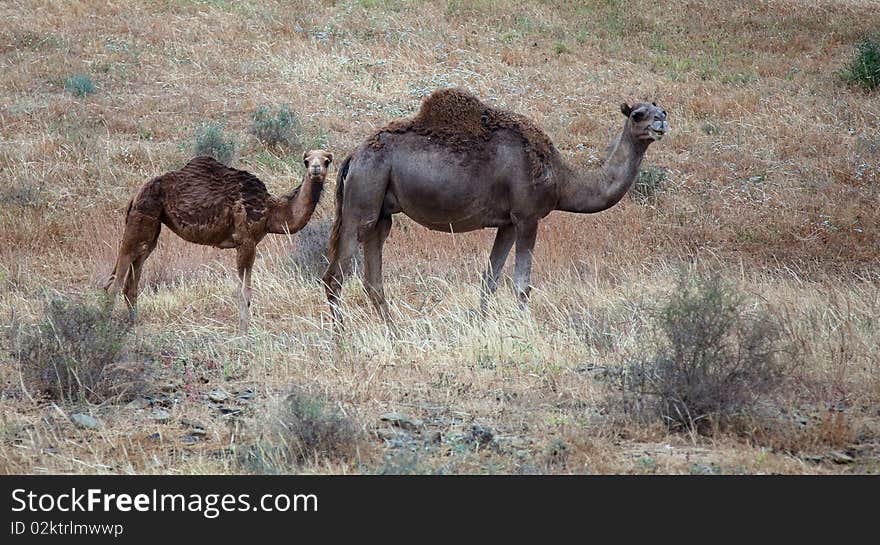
column 770, row 179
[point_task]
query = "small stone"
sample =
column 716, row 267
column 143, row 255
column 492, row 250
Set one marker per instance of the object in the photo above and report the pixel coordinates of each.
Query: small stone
column 160, row 415
column 198, row 432
column 192, row 423
column 839, row 457
column 85, row 421
column 393, row 434
column 402, row 421
column 139, row 403
column 481, row 434
column 245, row 395
column 217, row 395
column 155, row 436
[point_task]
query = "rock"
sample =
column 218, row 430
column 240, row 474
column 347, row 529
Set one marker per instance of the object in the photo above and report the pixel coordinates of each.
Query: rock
column 839, row 457
column 193, row 424
column 139, row 403
column 198, row 432
column 481, row 434
column 245, row 395
column 402, row 421
column 82, row 420
column 218, row 395
column 394, row 434
column 161, row 416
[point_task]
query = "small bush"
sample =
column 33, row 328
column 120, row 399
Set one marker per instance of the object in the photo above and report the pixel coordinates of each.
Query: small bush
column 211, row 141
column 278, row 128
column 76, row 354
column 648, row 184
column 80, row 85
column 304, row 429
column 712, row 358
column 864, row 68
column 309, row 255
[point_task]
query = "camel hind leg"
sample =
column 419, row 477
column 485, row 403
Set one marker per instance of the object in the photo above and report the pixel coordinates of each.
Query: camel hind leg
column 130, row 288
column 138, row 241
column 362, row 186
column 342, row 249
column 373, row 266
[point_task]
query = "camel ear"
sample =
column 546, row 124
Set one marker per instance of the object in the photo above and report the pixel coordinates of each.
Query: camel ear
column 625, row 109
column 329, row 157
column 305, row 155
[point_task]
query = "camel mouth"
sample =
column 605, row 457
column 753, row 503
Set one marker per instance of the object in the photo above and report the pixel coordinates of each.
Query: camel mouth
column 657, row 130
column 656, row 134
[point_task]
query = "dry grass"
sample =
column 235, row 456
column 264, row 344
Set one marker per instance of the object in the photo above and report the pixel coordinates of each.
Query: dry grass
column 771, row 179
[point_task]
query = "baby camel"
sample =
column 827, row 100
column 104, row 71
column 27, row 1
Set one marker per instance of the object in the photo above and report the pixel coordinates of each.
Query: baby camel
column 208, row 203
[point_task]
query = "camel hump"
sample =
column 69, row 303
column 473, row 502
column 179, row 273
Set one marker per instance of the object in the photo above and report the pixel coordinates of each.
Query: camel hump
column 206, row 184
column 464, row 124
column 453, row 111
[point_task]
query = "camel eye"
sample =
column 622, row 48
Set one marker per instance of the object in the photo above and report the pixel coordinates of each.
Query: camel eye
column 638, row 116
column 326, row 162
column 306, row 163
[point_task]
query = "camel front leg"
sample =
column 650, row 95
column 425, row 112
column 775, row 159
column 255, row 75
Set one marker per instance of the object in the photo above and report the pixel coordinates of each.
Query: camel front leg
column 504, row 240
column 526, row 234
column 245, row 262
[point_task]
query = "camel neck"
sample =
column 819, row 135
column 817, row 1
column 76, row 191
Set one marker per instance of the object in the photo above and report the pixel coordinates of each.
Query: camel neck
column 594, row 190
column 292, row 211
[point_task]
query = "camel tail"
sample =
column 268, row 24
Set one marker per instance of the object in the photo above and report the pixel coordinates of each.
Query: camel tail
column 115, row 270
column 337, row 221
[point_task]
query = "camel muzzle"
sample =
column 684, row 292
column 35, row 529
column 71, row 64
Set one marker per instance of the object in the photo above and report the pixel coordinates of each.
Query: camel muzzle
column 658, row 129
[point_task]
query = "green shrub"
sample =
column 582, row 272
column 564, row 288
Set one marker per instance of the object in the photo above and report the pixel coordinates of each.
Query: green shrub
column 710, row 357
column 864, row 68
column 80, row 85
column 648, row 184
column 211, row 141
column 276, row 128
column 77, row 353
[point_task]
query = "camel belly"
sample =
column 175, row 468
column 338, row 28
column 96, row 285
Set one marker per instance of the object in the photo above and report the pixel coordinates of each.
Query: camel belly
column 439, row 212
column 219, row 238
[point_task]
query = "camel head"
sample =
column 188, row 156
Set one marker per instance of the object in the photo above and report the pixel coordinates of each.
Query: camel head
column 646, row 122
column 317, row 162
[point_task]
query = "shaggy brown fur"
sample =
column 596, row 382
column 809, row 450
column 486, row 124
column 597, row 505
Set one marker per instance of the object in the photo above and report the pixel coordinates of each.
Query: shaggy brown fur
column 464, row 123
column 206, row 202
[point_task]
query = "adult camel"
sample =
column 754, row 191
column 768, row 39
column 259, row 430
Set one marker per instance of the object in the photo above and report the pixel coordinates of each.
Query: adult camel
column 461, row 165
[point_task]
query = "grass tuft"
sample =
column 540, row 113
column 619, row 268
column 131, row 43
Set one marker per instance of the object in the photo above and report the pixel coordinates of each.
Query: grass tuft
column 864, row 68
column 80, row 85
column 304, row 430
column 77, row 353
column 649, row 184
